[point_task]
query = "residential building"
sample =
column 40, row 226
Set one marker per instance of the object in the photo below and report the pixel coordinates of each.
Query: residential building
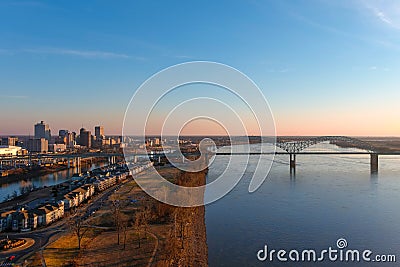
column 20, row 220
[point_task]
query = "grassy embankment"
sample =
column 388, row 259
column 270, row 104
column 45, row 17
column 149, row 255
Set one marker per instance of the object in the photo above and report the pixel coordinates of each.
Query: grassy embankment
column 150, row 232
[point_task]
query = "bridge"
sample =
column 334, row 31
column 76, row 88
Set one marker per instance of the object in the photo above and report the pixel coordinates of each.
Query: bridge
column 291, row 146
column 294, row 147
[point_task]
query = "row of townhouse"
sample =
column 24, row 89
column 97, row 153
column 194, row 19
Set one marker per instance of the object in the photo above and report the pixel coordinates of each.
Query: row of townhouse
column 139, row 168
column 22, row 219
column 105, row 182
column 78, row 196
column 102, row 183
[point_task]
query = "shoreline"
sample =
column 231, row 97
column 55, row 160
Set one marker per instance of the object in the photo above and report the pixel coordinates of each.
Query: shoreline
column 166, row 243
column 29, row 174
column 35, row 192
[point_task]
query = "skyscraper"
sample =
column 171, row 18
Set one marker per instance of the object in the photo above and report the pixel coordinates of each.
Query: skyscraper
column 42, row 130
column 9, row 141
column 85, row 138
column 63, row 133
column 38, row 145
column 99, row 132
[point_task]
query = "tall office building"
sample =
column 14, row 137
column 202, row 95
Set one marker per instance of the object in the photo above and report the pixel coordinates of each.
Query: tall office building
column 85, row 138
column 70, row 140
column 9, row 141
column 63, row 133
column 42, row 130
column 40, row 145
column 99, row 132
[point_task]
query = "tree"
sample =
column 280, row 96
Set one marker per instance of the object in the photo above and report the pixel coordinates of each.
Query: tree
column 124, row 225
column 77, row 225
column 138, row 224
column 116, row 209
column 145, row 214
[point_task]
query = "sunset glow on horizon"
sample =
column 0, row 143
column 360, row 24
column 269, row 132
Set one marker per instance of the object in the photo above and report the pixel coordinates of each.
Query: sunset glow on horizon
column 325, row 67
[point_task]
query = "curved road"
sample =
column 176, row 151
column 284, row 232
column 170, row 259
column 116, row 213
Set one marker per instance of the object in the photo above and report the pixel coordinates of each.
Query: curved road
column 42, row 236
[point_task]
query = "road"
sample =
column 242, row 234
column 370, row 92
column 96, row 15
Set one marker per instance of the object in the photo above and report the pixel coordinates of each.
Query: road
column 42, row 236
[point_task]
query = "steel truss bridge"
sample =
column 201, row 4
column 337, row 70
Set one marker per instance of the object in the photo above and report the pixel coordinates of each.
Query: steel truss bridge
column 297, row 146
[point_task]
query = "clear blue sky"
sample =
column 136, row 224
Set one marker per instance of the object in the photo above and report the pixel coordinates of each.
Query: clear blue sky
column 326, row 67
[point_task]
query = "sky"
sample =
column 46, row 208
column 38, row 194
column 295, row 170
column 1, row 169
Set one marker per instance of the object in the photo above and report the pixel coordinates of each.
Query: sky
column 325, row 67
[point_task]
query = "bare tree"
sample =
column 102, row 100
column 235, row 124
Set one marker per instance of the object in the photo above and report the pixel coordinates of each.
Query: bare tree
column 77, row 225
column 124, row 225
column 145, row 214
column 116, row 210
column 138, row 224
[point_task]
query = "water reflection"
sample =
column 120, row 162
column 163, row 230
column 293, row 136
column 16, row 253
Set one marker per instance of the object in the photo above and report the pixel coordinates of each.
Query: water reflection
column 329, row 197
column 8, row 189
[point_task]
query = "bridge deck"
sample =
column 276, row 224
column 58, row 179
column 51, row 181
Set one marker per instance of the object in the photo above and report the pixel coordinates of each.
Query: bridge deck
column 218, row 154
column 310, row 153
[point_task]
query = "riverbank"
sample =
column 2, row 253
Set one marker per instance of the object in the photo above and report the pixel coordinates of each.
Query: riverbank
column 188, row 243
column 149, row 231
column 20, row 174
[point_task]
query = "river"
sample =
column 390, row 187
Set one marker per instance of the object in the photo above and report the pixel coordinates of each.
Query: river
column 330, row 197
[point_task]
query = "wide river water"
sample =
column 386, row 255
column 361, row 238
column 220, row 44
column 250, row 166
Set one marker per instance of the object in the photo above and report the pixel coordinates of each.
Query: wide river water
column 43, row 180
column 330, row 197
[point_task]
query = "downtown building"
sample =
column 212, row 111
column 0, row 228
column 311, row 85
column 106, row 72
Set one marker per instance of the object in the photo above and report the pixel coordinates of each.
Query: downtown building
column 85, row 138
column 39, row 145
column 42, row 130
column 42, row 137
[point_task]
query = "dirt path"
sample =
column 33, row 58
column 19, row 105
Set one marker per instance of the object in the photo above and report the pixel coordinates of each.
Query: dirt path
column 151, row 260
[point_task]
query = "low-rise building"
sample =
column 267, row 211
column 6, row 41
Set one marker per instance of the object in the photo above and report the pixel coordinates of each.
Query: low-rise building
column 3, row 224
column 105, row 182
column 33, row 220
column 70, row 200
column 20, row 220
column 8, row 151
column 50, row 213
column 57, row 148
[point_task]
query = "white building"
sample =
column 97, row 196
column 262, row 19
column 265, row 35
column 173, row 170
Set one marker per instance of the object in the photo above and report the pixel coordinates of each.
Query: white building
column 6, row 151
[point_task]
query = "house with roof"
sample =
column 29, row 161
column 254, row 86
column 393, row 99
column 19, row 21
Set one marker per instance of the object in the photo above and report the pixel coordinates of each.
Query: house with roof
column 6, row 220
column 19, row 220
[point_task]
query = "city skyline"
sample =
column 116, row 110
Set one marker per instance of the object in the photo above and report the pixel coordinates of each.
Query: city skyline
column 326, row 68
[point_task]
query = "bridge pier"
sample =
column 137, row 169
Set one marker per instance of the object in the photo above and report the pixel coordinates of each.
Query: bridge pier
column 292, row 162
column 374, row 162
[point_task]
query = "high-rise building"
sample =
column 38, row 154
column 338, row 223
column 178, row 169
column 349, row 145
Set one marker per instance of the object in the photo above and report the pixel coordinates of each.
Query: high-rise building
column 9, row 141
column 99, row 132
column 42, row 130
column 85, row 138
column 40, row 145
column 63, row 133
column 70, row 140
